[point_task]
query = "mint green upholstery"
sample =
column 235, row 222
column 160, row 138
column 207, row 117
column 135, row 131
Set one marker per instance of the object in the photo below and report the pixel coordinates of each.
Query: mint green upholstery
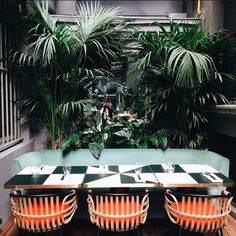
column 84, row 157
column 127, row 156
column 122, row 156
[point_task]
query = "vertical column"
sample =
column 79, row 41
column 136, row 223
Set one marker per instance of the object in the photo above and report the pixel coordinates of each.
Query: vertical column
column 212, row 15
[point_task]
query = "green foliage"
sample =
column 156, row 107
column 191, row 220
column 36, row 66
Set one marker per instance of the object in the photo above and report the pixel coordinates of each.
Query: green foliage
column 125, row 134
column 71, row 142
column 178, row 69
column 139, row 134
column 62, row 61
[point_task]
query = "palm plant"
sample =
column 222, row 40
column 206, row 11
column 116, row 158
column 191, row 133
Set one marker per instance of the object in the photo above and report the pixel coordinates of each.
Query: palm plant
column 177, row 69
column 65, row 60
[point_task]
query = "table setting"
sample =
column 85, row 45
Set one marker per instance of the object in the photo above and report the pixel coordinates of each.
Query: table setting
column 115, row 176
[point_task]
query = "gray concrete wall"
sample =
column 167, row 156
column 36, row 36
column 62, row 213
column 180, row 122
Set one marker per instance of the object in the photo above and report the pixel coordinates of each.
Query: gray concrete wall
column 52, row 6
column 157, row 7
column 5, row 174
column 162, row 8
column 212, row 13
column 65, row 7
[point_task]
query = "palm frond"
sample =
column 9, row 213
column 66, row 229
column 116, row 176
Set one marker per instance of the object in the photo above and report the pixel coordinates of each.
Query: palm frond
column 42, row 8
column 21, row 58
column 190, row 68
column 92, row 17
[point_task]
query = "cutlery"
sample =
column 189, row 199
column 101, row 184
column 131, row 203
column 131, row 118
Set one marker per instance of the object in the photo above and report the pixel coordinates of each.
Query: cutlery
column 139, row 177
column 63, row 176
column 212, row 176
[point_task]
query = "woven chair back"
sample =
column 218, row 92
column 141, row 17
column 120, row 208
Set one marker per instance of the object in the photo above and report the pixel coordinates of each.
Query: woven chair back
column 118, row 212
column 198, row 213
column 42, row 213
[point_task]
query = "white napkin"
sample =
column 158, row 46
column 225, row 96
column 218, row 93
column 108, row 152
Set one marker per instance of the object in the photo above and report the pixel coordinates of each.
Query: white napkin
column 26, row 171
column 213, row 178
column 175, row 178
column 70, row 179
column 42, row 170
column 46, row 170
column 196, row 168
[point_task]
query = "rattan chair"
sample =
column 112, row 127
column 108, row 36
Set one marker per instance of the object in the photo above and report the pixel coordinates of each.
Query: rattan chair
column 118, row 212
column 198, row 213
column 43, row 213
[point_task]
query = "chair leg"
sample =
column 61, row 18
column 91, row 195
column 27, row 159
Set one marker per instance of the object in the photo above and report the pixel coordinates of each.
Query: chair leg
column 180, row 231
column 218, row 233
column 22, row 232
column 140, row 230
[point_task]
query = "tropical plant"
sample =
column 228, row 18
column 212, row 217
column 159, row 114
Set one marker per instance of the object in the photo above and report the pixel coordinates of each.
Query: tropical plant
column 178, row 69
column 139, row 133
column 63, row 60
column 116, row 134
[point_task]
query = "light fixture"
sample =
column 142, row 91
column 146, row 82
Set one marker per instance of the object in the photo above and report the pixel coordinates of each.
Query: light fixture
column 199, row 7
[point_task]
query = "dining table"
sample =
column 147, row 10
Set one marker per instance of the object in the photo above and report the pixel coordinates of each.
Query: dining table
column 119, row 176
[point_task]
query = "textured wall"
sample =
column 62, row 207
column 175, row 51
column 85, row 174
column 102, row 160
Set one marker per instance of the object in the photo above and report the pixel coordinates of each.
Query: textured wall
column 65, row 7
column 154, row 7
column 212, row 13
column 148, row 7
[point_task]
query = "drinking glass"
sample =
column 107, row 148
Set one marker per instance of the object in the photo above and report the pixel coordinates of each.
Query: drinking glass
column 35, row 169
column 103, row 169
column 66, row 169
column 170, row 167
column 138, row 170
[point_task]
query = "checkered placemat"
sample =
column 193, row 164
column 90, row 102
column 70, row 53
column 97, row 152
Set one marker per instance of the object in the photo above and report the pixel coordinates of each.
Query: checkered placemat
column 119, row 176
column 184, row 175
column 115, row 176
column 103, row 176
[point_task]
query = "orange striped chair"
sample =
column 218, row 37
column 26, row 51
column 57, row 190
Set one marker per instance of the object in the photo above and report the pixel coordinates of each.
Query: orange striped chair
column 118, row 212
column 43, row 213
column 198, row 213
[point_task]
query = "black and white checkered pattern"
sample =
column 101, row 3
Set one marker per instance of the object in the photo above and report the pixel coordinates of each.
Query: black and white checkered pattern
column 114, row 176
